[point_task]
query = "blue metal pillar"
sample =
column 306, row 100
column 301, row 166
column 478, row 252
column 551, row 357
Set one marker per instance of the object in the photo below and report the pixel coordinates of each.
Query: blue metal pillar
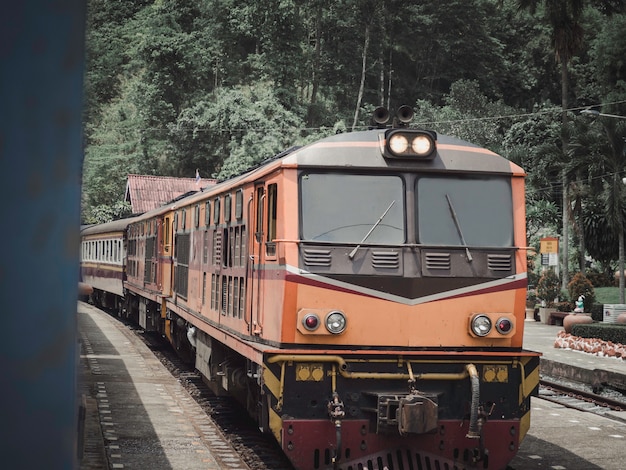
column 42, row 60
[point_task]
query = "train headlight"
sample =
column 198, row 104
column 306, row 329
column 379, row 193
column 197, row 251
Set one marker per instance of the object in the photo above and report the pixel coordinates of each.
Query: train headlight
column 311, row 322
column 504, row 326
column 422, row 145
column 409, row 144
column 398, row 143
column 481, row 325
column 336, row 322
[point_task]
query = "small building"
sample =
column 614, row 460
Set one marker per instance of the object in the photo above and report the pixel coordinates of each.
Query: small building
column 146, row 192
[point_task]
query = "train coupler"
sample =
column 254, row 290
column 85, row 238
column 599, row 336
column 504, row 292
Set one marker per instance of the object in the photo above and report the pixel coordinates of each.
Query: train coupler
column 405, row 413
column 336, row 409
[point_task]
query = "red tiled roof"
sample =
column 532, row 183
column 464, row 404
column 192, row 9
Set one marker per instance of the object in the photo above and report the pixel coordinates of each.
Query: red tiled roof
column 146, row 192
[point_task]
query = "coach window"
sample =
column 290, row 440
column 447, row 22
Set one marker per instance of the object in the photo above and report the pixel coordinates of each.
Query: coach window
column 272, row 206
column 166, row 235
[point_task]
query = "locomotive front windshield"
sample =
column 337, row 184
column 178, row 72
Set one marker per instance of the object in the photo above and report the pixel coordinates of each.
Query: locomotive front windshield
column 344, row 208
column 450, row 210
column 473, row 211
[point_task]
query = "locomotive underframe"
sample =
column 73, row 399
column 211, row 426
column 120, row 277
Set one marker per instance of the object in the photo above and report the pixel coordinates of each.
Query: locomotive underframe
column 327, row 410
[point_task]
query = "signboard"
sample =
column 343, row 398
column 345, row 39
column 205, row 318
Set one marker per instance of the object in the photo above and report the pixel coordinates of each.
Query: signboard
column 549, row 245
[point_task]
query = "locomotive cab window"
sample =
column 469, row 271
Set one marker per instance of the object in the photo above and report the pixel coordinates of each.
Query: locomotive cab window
column 472, row 211
column 345, row 208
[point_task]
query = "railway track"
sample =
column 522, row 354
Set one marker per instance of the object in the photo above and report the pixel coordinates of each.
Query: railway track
column 581, row 397
column 262, row 453
column 258, row 451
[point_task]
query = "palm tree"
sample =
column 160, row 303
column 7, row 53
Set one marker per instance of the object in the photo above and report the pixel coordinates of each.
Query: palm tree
column 563, row 16
column 603, row 148
column 614, row 158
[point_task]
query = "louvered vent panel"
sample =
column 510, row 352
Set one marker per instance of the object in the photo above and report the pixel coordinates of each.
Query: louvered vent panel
column 217, row 248
column 317, row 257
column 499, row 262
column 385, row 259
column 438, row 261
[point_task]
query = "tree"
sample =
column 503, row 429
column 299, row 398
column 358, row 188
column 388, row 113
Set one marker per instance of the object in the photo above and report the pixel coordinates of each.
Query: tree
column 115, row 151
column 564, row 17
column 613, row 155
column 231, row 130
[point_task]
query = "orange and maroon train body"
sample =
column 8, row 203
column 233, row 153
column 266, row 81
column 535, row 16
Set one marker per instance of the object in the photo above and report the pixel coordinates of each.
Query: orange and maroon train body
column 362, row 296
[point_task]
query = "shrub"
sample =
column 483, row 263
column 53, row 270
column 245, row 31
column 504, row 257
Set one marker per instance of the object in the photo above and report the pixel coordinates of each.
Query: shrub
column 548, row 287
column 580, row 285
column 615, row 333
column 599, row 279
column 564, row 306
column 597, row 312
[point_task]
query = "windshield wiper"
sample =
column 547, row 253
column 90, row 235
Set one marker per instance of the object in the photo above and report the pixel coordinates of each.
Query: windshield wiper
column 458, row 227
column 353, row 252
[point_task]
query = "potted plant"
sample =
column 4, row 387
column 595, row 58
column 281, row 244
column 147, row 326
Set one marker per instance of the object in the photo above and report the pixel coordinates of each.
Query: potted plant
column 548, row 290
column 531, row 302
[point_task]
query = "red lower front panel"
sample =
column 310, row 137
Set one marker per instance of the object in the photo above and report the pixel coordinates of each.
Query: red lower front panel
column 313, row 445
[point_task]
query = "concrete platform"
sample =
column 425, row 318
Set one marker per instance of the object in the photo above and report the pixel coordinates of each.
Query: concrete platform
column 576, row 364
column 573, row 365
column 137, row 415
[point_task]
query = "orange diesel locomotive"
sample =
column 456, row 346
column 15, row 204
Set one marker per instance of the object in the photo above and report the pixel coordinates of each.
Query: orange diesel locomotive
column 362, row 296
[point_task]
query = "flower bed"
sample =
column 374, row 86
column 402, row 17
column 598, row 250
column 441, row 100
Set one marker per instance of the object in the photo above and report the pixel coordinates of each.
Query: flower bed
column 594, row 346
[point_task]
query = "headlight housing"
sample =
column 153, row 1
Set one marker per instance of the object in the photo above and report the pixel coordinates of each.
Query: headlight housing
column 336, row 322
column 481, row 325
column 409, row 144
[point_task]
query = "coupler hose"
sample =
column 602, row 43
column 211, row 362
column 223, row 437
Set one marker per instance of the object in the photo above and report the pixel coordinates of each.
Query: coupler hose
column 337, row 456
column 336, row 411
column 474, row 432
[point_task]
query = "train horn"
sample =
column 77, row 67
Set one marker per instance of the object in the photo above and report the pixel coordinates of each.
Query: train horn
column 380, row 116
column 404, row 114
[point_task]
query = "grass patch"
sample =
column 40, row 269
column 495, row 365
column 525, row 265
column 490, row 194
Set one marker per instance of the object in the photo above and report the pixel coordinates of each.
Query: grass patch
column 607, row 295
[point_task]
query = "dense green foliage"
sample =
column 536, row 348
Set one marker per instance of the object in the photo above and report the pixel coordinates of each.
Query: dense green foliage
column 218, row 85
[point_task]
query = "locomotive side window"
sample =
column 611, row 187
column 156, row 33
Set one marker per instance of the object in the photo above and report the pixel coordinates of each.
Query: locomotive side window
column 343, row 208
column 216, row 211
column 239, row 204
column 227, row 208
column 476, row 210
column 272, row 207
column 260, row 196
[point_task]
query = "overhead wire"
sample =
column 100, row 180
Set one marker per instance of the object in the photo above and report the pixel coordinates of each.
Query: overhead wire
column 555, row 109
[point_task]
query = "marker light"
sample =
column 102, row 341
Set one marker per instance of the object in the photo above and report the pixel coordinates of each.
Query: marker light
column 504, row 326
column 335, row 322
column 311, row 321
column 409, row 144
column 481, row 325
